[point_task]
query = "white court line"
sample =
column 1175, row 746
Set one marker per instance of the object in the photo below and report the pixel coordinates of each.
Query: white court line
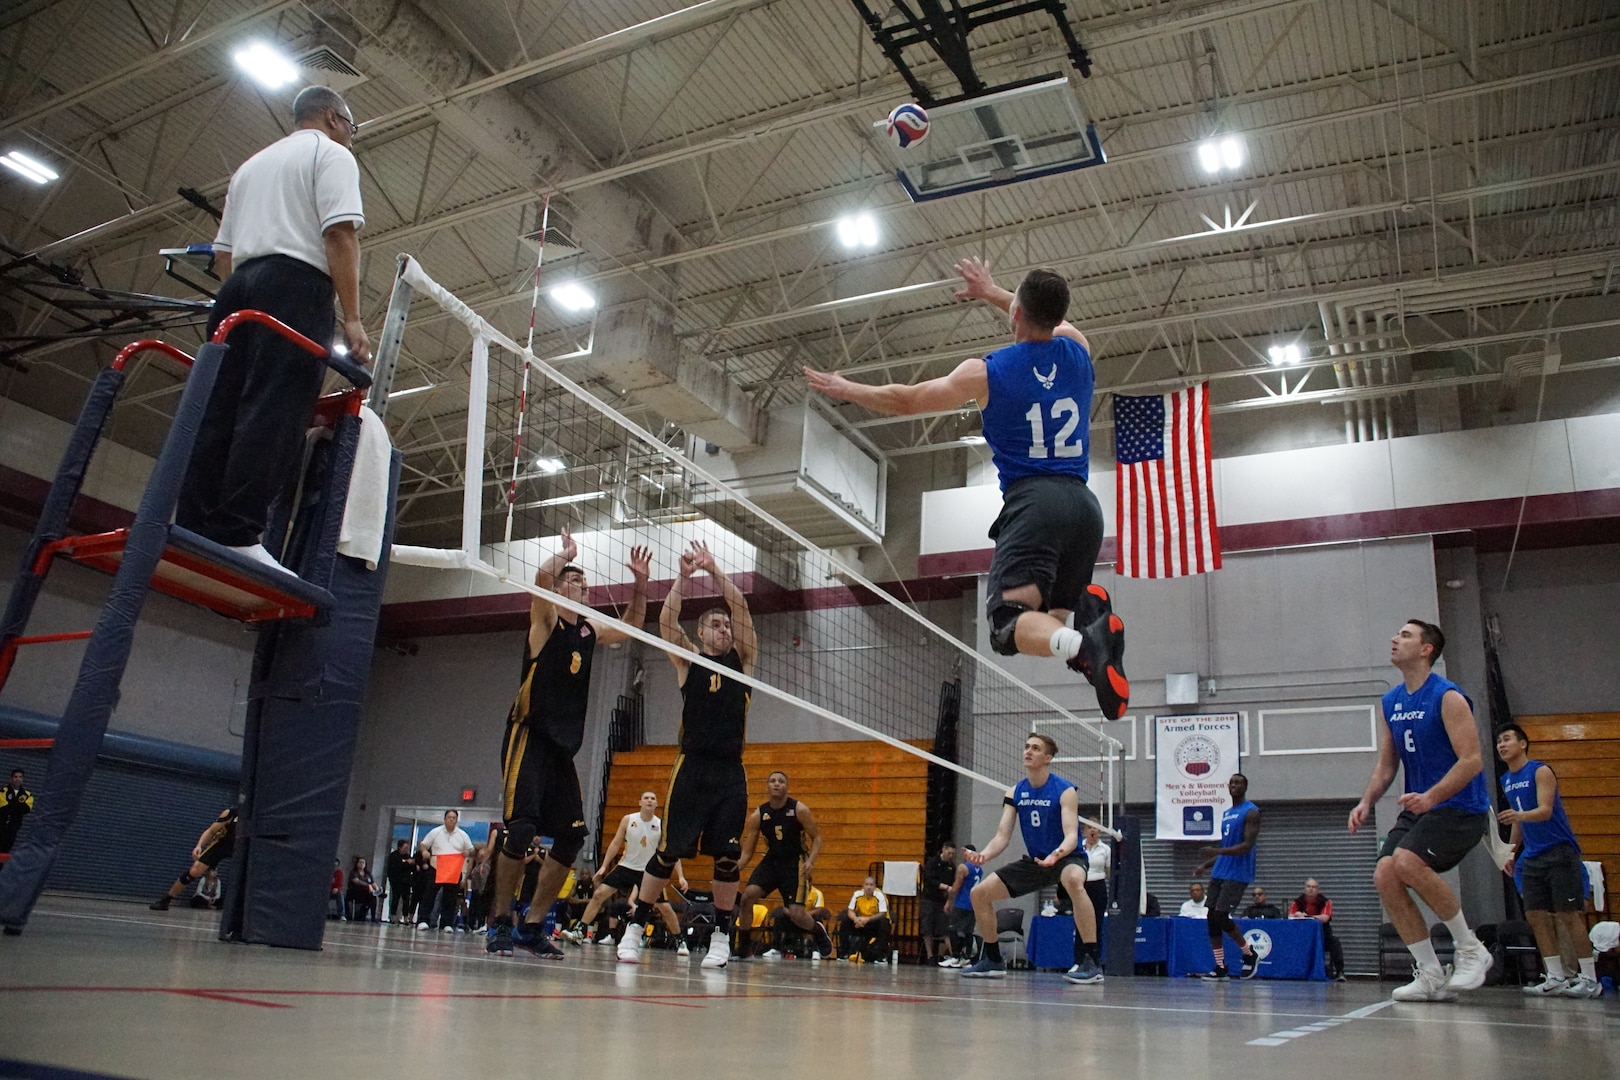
column 1283, row 1038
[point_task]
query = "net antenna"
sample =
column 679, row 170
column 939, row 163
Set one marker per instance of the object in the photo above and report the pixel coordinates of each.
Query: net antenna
column 523, row 395
column 832, row 644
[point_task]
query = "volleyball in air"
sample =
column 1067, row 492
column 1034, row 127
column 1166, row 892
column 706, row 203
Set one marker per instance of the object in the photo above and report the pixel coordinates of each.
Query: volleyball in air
column 908, row 125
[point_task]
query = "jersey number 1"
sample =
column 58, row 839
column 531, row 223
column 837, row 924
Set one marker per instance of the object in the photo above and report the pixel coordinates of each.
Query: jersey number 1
column 1062, row 407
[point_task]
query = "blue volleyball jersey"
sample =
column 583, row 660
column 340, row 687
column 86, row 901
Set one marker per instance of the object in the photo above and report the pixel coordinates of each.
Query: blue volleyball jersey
column 1419, row 734
column 1235, row 867
column 963, row 900
column 1040, row 817
column 1519, row 787
column 1038, row 419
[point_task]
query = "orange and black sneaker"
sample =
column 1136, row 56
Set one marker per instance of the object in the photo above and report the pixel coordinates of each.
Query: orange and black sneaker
column 1101, row 658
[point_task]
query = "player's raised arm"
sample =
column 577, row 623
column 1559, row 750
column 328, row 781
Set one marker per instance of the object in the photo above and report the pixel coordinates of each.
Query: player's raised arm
column 640, row 565
column 669, row 618
column 742, row 620
column 968, row 382
column 542, row 612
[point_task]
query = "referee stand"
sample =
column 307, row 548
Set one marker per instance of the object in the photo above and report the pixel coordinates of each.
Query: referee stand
column 317, row 619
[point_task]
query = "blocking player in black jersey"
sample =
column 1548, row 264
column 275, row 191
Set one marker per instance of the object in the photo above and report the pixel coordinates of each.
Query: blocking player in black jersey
column 707, row 802
column 792, row 842
column 544, row 730
column 214, row 846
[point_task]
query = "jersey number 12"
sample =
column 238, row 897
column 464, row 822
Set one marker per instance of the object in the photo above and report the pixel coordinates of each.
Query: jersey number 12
column 1062, row 447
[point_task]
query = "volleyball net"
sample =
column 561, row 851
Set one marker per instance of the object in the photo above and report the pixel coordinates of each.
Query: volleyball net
column 545, row 452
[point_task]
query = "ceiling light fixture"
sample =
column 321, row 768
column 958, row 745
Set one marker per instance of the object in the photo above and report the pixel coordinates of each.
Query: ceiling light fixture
column 858, row 231
column 1226, row 152
column 549, row 465
column 28, row 167
column 395, row 395
column 266, row 66
column 584, row 496
column 572, row 296
column 1285, row 354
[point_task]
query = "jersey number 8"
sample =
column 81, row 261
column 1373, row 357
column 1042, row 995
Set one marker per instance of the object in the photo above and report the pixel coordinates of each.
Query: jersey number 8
column 1035, row 818
column 1063, row 448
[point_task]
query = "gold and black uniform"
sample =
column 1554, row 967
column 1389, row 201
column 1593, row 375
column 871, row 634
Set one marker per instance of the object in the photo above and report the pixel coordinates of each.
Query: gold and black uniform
column 544, row 730
column 707, row 804
column 785, row 847
column 224, row 844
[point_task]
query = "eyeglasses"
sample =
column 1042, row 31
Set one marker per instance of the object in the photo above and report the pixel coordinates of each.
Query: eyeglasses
column 354, row 128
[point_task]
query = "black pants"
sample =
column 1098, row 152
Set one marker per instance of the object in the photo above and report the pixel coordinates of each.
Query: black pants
column 1097, row 891
column 252, row 434
column 399, row 896
column 444, row 902
column 1335, row 952
column 872, row 940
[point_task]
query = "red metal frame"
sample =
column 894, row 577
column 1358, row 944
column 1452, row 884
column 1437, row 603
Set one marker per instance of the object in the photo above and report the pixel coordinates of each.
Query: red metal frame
column 27, row 744
column 236, row 318
column 149, row 346
column 332, row 406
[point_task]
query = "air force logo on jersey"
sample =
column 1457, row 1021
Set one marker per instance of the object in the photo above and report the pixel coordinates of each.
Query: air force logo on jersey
column 1048, row 380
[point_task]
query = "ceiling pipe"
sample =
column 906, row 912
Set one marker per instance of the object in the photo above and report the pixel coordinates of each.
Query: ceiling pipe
column 1334, row 349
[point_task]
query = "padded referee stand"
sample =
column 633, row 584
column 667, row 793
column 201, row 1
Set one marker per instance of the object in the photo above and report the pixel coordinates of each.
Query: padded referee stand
column 308, row 691
column 1119, row 951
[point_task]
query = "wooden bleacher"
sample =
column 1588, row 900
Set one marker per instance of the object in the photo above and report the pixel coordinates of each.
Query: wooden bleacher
column 1584, row 750
column 869, row 800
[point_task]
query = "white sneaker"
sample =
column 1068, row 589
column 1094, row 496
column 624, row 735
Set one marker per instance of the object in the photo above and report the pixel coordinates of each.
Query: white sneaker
column 260, row 554
column 573, row 936
column 1471, row 965
column 949, row 961
column 1549, row 985
column 421, row 926
column 719, row 952
column 1426, row 986
column 681, row 949
column 816, row 955
column 770, row 954
column 630, row 945
column 1581, row 988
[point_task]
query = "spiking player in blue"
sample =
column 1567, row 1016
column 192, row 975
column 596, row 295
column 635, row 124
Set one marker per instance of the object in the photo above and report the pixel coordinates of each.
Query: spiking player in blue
column 1547, row 859
column 1428, row 732
column 1047, row 810
column 1035, row 396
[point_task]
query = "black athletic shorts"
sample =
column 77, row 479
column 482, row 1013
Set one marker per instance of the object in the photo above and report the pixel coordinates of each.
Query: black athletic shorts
column 1026, row 875
column 1048, row 534
column 1552, row 881
column 622, row 877
column 1441, row 837
column 780, row 877
column 541, row 785
column 217, row 852
column 705, row 809
column 931, row 919
column 1224, row 894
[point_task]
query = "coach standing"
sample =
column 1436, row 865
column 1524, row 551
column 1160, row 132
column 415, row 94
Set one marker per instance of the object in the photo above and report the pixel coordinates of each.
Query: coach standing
column 287, row 244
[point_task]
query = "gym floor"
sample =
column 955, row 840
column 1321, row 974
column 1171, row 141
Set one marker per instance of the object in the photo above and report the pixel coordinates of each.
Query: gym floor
column 112, row 989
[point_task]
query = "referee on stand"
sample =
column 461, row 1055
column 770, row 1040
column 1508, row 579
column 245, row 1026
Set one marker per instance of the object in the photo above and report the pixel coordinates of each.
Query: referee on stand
column 286, row 245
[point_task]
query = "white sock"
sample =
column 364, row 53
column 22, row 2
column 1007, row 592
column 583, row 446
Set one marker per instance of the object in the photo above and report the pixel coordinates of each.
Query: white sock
column 1423, row 953
column 1588, row 968
column 1066, row 642
column 1461, row 936
column 1555, row 967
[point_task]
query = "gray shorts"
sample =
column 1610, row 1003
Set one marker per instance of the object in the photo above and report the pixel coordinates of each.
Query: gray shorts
column 1552, row 881
column 1224, row 894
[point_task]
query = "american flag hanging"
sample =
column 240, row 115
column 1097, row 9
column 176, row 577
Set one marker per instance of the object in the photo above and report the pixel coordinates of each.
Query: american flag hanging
column 1165, row 510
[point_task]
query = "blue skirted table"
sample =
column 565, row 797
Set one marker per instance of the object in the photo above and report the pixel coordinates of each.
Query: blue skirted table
column 1288, row 948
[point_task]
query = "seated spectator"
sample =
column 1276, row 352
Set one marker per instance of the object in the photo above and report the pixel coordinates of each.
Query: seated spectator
column 208, row 894
column 336, row 908
column 1312, row 904
column 1193, row 907
column 865, row 925
column 361, row 897
column 1262, row 908
column 1154, row 911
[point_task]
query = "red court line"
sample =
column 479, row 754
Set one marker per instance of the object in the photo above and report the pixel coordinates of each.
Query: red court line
column 232, row 998
column 240, row 995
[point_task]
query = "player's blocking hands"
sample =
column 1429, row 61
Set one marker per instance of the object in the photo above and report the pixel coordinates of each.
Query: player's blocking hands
column 569, row 550
column 977, row 284
column 640, row 563
column 702, row 557
column 830, row 383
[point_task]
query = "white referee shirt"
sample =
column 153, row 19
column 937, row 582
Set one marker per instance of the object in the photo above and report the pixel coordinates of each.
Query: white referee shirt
column 1098, row 857
column 284, row 198
column 640, row 841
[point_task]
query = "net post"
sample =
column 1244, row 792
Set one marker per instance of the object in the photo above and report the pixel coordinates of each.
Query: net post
column 385, row 362
column 472, row 472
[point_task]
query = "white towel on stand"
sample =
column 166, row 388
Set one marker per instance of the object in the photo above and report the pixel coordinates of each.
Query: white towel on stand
column 900, row 878
column 366, row 512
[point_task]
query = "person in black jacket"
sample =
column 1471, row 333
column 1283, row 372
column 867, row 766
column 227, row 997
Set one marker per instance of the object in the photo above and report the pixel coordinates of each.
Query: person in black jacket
column 398, row 871
column 1262, row 908
column 938, row 875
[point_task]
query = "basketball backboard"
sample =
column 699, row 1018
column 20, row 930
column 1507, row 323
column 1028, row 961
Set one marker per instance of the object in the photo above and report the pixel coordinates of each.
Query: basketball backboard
column 1000, row 138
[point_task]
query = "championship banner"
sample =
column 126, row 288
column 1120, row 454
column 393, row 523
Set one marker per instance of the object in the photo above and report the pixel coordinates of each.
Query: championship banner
column 1195, row 757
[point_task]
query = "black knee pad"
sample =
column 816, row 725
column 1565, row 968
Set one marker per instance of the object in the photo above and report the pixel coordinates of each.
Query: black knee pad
column 1003, row 621
column 727, row 869
column 186, row 878
column 662, row 865
column 565, row 849
column 520, row 834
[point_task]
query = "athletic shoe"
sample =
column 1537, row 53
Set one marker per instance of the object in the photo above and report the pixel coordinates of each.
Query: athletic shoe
column 1581, row 988
column 501, row 943
column 771, row 954
column 948, row 962
column 607, row 941
column 447, row 929
column 1251, row 966
column 1426, row 986
column 572, row 935
column 630, row 945
column 535, row 943
column 161, row 903
column 719, row 952
column 421, row 926
column 986, row 968
column 1085, row 973
column 1546, row 987
column 881, row 960
column 1471, row 965
column 1215, row 974
column 681, row 949
column 816, row 955
column 1101, row 658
